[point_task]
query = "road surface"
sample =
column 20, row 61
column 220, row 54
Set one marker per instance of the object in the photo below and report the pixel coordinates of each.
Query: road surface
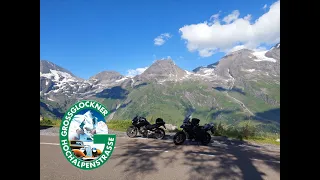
column 161, row 160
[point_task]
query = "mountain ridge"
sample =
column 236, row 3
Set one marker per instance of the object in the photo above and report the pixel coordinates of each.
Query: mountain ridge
column 243, row 84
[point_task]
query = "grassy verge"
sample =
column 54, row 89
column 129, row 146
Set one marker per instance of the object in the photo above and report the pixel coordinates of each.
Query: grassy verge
column 246, row 131
column 119, row 125
column 50, row 122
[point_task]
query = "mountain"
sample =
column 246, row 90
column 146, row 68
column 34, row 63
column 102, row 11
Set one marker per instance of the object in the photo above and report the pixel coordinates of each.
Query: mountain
column 243, row 85
column 47, row 67
column 106, row 77
column 202, row 68
column 162, row 70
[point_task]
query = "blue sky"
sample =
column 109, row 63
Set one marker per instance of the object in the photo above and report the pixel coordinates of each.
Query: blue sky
column 90, row 36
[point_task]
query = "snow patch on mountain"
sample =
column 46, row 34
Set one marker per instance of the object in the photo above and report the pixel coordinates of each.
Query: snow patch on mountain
column 260, row 56
column 57, row 75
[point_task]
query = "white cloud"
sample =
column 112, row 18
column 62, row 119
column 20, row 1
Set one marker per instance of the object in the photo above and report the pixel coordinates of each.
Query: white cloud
column 206, row 52
column 231, row 17
column 165, row 58
column 161, row 39
column 248, row 17
column 134, row 72
column 215, row 18
column 208, row 38
column 265, row 6
column 239, row 47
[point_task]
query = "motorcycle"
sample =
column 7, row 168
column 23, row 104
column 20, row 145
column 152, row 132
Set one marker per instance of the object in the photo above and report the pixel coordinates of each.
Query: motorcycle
column 141, row 125
column 191, row 130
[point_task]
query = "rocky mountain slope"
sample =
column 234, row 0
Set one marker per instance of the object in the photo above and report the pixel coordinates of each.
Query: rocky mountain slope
column 243, row 85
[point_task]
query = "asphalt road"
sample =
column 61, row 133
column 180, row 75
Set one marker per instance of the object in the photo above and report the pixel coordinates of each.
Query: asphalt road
column 162, row 160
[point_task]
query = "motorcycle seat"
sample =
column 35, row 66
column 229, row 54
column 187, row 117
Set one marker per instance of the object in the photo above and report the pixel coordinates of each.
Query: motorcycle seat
column 149, row 127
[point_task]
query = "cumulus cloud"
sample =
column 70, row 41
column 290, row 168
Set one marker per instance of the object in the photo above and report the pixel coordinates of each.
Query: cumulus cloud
column 161, row 39
column 134, row 72
column 231, row 17
column 248, row 17
column 233, row 32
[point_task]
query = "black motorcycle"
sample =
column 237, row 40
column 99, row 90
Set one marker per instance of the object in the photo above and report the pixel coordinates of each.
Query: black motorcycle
column 141, row 125
column 191, row 130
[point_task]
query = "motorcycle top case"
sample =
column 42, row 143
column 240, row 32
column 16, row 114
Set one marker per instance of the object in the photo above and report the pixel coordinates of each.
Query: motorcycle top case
column 195, row 121
column 159, row 121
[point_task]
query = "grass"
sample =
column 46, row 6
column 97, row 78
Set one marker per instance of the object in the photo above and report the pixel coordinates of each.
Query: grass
column 264, row 140
column 119, row 125
column 247, row 131
column 50, row 122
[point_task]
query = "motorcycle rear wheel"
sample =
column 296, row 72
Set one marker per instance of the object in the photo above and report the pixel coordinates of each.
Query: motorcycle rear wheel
column 179, row 138
column 159, row 133
column 132, row 131
column 207, row 139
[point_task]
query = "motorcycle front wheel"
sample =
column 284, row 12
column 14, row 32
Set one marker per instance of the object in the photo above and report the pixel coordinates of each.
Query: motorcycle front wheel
column 159, row 133
column 179, row 138
column 132, row 131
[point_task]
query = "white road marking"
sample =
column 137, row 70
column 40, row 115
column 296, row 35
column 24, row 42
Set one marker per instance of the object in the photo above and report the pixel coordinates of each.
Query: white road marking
column 151, row 150
column 55, row 144
column 266, row 160
column 211, row 155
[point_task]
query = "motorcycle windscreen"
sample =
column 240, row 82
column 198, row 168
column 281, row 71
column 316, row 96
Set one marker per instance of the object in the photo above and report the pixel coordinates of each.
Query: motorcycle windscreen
column 186, row 120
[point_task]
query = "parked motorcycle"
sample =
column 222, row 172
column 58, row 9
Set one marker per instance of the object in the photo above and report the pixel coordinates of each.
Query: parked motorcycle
column 191, row 130
column 141, row 125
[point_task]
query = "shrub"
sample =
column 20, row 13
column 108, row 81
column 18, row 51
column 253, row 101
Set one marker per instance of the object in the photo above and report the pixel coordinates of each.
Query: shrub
column 241, row 131
column 220, row 129
column 50, row 122
column 46, row 122
column 248, row 129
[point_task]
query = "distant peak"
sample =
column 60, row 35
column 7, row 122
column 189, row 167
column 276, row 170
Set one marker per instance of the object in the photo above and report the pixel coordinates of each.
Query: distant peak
column 107, row 76
column 163, row 68
column 168, row 60
column 109, row 72
column 277, row 46
column 47, row 66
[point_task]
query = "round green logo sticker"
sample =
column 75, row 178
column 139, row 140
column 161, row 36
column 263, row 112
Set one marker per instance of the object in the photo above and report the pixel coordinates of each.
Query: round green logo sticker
column 84, row 137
